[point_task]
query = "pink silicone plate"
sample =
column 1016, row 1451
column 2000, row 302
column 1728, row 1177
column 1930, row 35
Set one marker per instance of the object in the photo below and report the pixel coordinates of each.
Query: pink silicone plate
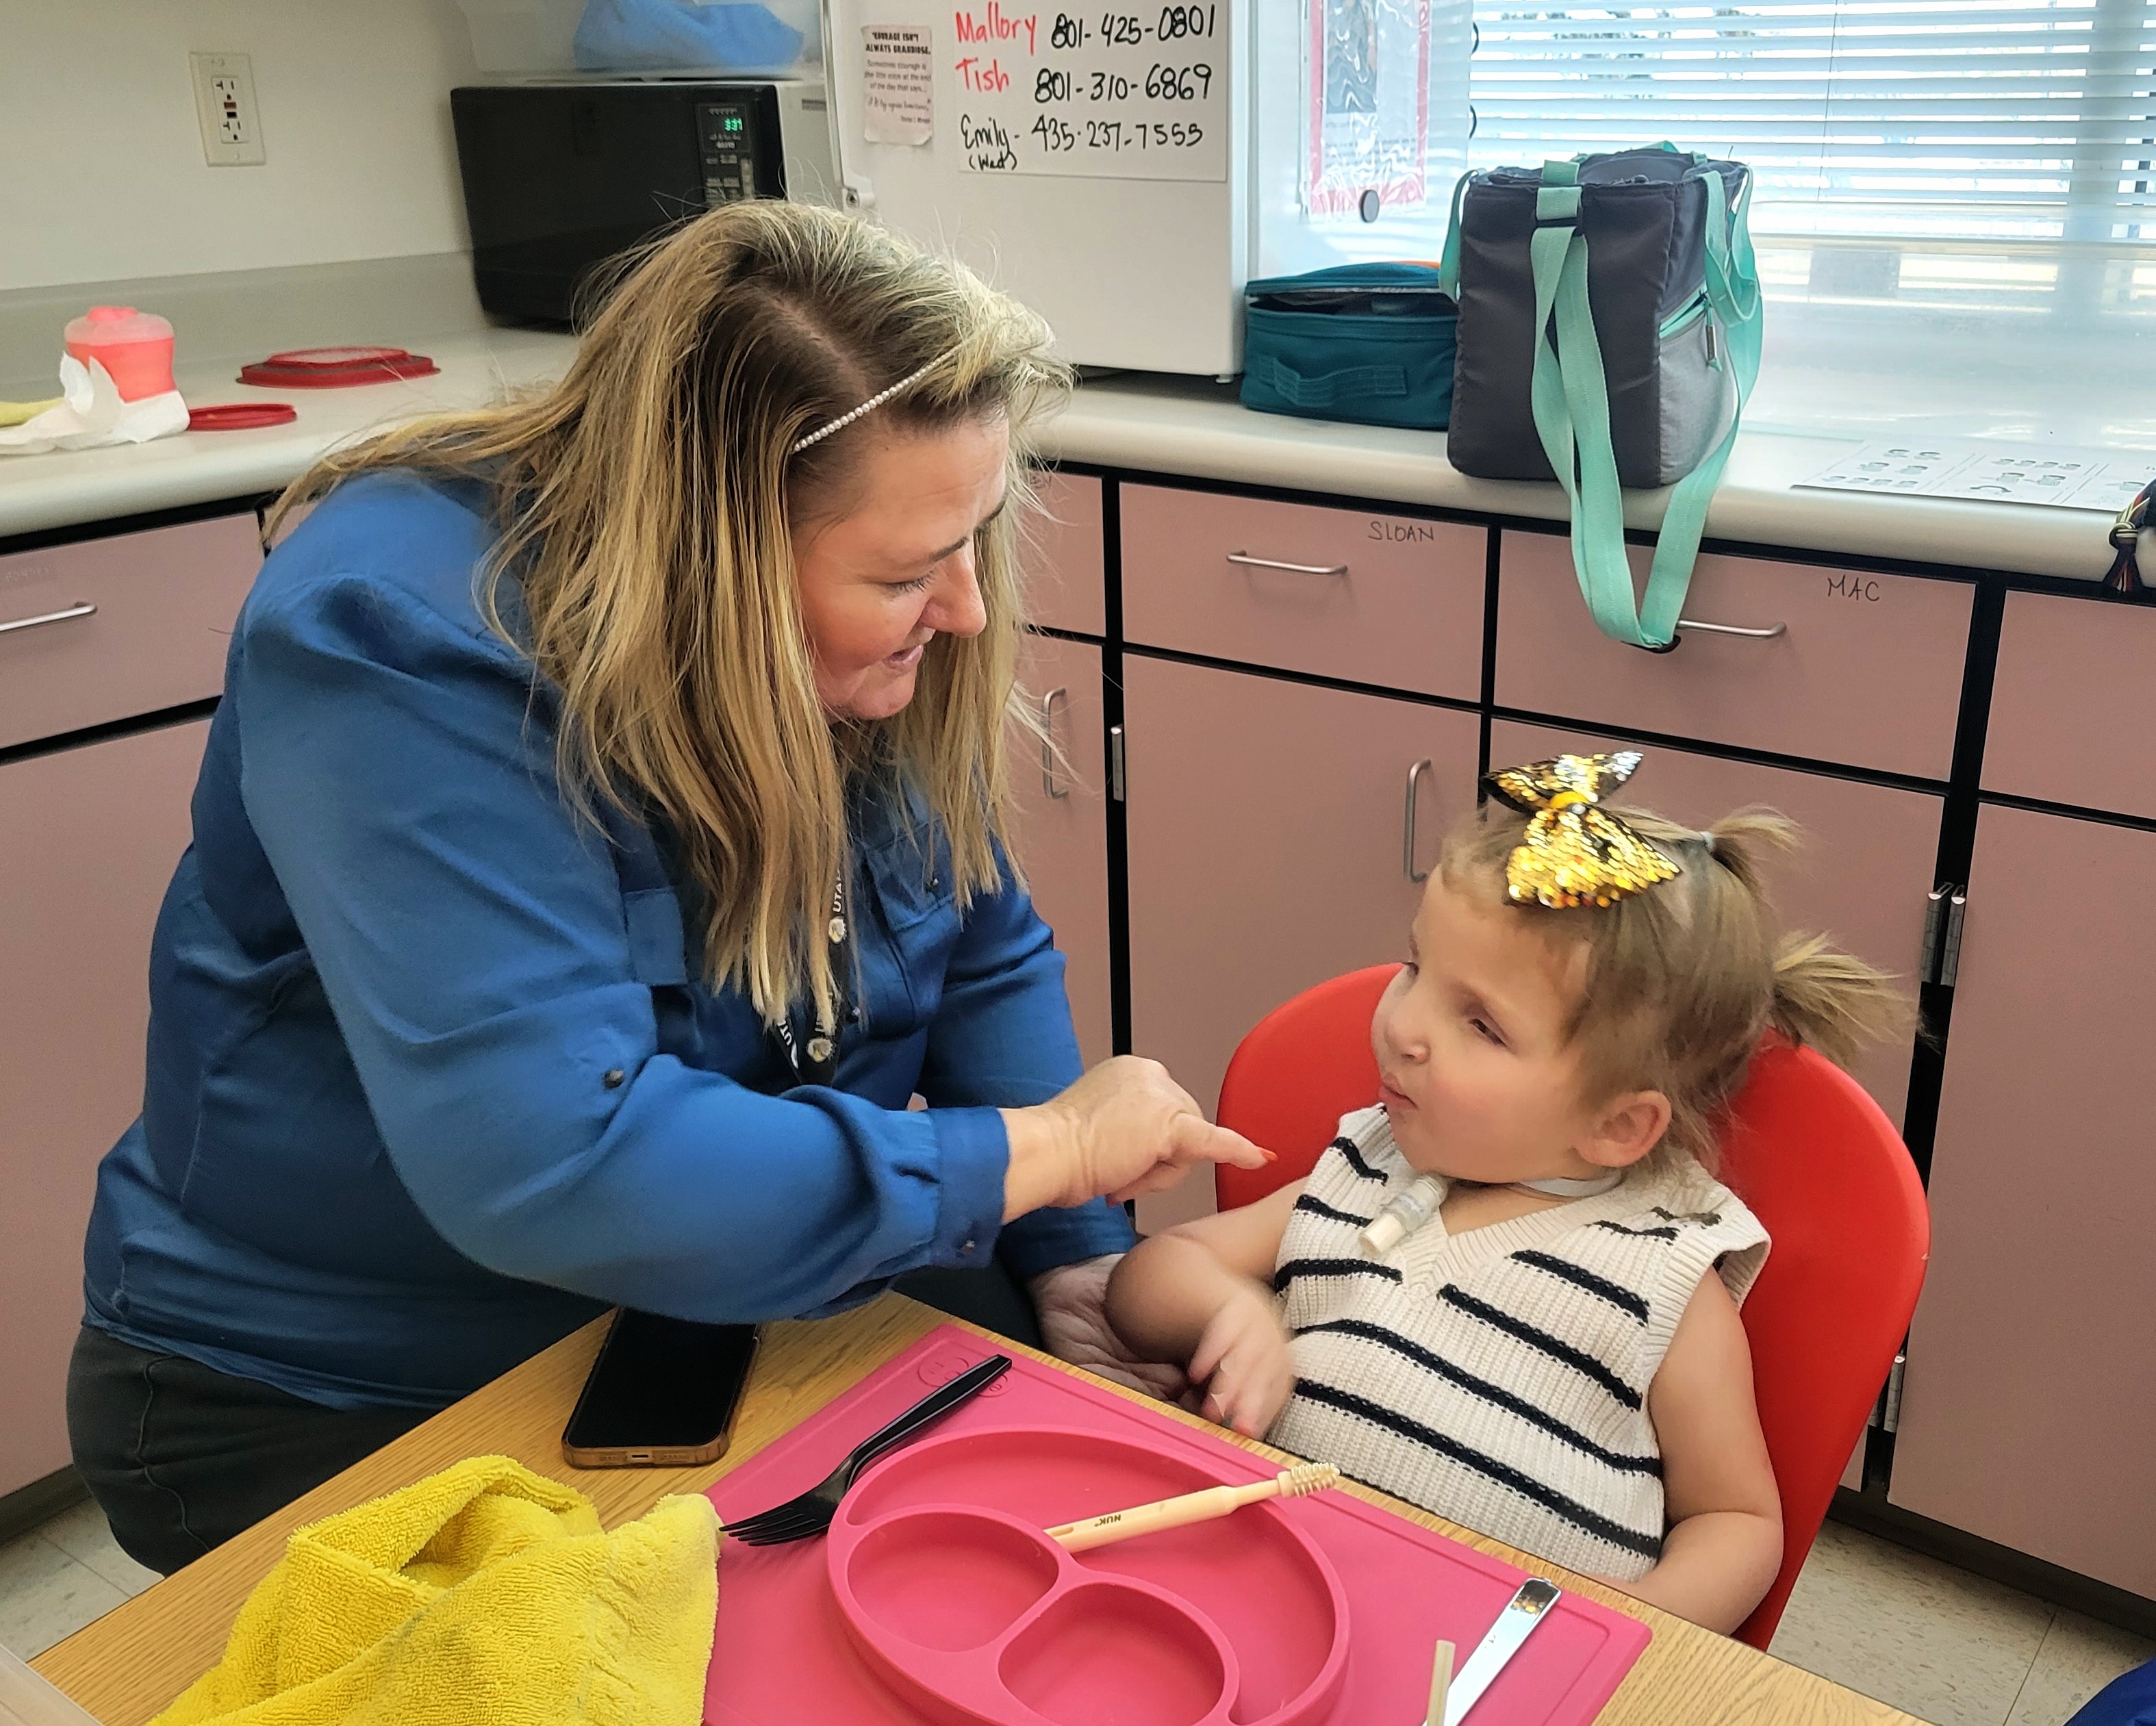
column 956, row 1596
column 964, row 1562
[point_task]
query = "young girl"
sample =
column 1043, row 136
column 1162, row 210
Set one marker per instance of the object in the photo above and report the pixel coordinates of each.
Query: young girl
column 1554, row 1357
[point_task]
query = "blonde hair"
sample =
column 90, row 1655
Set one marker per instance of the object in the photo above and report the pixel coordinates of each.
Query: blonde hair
column 1682, row 980
column 645, row 506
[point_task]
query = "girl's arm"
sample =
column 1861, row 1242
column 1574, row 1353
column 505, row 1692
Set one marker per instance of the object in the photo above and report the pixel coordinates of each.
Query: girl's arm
column 1725, row 1539
column 1201, row 1295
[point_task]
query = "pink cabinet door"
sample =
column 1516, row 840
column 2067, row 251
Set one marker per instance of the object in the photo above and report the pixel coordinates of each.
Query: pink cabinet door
column 1061, row 550
column 2068, row 704
column 1368, row 599
column 1863, row 876
column 2029, row 1399
column 1062, row 835
column 1267, row 821
column 106, row 628
column 87, row 845
column 1866, row 670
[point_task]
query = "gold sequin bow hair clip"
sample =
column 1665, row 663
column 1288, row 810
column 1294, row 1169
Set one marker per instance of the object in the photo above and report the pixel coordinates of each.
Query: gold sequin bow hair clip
column 1576, row 852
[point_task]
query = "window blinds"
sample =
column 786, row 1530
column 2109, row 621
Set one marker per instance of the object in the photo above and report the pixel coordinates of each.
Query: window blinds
column 1947, row 119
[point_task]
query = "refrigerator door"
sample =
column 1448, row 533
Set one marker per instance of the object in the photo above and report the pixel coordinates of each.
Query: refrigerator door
column 1091, row 164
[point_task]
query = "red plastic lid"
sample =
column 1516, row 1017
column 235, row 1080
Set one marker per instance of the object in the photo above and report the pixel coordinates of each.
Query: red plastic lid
column 241, row 416
column 336, row 367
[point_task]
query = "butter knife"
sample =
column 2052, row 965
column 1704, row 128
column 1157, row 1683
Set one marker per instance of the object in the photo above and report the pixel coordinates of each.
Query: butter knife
column 1525, row 1610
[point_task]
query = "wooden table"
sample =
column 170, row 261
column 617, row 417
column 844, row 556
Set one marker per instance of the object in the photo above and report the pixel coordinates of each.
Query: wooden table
column 135, row 1660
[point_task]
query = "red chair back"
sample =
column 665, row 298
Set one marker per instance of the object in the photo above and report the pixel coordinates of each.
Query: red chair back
column 1806, row 1148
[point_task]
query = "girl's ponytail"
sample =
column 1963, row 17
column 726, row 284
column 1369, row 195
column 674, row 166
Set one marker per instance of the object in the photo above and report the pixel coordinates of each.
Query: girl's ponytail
column 1831, row 1000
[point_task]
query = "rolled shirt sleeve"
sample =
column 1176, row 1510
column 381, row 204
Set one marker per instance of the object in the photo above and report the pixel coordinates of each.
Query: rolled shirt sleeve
column 469, row 930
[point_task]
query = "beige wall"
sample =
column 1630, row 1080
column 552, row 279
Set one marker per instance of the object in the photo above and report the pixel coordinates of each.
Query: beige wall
column 101, row 170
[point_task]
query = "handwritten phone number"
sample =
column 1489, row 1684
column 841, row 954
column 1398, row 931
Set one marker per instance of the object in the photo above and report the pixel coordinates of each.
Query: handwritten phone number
column 1058, row 135
column 1160, row 83
column 1175, row 24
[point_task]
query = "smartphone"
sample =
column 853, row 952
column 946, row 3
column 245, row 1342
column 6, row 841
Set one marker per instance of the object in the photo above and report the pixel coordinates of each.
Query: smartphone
column 663, row 1393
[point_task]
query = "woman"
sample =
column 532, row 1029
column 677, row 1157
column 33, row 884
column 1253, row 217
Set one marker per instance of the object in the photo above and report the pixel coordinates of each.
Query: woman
column 598, row 843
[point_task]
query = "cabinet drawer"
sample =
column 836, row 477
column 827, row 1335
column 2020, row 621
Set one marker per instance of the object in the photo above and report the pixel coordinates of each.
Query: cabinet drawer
column 1369, row 598
column 1867, row 670
column 2068, row 701
column 138, row 622
column 1061, row 551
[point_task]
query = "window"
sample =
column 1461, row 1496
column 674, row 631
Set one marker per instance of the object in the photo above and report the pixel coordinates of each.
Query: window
column 1996, row 128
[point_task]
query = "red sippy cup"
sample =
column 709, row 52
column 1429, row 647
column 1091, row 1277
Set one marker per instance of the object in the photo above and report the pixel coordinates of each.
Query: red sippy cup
column 135, row 346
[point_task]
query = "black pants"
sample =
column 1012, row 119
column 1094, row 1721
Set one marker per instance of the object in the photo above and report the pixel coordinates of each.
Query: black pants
column 181, row 1457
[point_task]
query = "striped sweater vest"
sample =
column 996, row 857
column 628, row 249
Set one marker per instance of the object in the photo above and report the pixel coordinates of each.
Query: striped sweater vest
column 1499, row 1378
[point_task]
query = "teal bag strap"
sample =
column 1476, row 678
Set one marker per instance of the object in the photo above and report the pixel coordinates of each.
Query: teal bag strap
column 1732, row 291
column 1448, row 260
column 1570, row 393
column 1570, row 397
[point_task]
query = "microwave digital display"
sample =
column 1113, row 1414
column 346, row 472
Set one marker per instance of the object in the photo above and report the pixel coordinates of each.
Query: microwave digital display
column 729, row 162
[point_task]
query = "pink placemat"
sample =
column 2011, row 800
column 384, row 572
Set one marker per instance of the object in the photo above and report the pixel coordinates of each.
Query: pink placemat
column 784, row 1653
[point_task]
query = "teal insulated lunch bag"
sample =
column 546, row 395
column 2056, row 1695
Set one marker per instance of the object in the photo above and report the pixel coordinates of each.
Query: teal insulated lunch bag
column 1370, row 343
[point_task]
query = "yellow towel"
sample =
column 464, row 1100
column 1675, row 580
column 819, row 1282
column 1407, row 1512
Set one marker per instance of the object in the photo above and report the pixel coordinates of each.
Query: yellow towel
column 486, row 1596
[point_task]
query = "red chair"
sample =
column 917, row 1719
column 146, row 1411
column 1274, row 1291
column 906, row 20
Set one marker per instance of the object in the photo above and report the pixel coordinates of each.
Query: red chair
column 1806, row 1149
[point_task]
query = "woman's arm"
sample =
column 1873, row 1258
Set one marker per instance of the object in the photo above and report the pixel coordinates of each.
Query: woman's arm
column 470, row 936
column 1201, row 1295
column 1724, row 1544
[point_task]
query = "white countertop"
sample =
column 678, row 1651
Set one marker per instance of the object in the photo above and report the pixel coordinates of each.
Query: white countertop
column 1170, row 426
column 1186, row 426
column 67, row 488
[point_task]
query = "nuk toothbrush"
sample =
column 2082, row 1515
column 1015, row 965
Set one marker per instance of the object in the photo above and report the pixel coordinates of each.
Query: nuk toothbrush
column 1191, row 1507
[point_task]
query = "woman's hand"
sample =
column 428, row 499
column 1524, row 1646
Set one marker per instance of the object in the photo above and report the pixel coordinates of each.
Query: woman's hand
column 1124, row 1129
column 1243, row 1363
column 1074, row 1323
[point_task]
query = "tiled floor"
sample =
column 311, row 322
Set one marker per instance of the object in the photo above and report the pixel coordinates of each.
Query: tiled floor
column 1941, row 1643
column 1935, row 1641
column 56, row 1580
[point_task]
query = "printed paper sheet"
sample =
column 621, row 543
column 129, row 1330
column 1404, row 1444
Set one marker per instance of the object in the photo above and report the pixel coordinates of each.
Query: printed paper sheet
column 2102, row 481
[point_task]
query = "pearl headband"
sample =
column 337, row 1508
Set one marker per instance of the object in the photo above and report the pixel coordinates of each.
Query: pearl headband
column 870, row 406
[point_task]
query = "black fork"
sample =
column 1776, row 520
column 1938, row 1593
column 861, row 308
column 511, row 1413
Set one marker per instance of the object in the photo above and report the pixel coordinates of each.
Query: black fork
column 810, row 1514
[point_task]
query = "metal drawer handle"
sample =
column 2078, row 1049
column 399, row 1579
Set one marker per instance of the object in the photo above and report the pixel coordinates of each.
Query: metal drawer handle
column 1408, row 826
column 1246, row 561
column 1766, row 634
column 81, row 608
column 1048, row 742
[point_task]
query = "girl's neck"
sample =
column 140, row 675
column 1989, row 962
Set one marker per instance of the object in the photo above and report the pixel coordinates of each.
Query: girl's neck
column 1561, row 1190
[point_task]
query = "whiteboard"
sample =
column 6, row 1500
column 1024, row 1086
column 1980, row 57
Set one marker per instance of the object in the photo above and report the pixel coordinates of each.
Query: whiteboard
column 1131, row 271
column 1138, row 94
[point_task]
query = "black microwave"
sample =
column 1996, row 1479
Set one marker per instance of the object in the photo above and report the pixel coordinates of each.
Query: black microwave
column 559, row 177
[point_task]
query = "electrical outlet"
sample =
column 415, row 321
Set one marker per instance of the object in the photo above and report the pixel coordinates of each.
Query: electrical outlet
column 224, row 104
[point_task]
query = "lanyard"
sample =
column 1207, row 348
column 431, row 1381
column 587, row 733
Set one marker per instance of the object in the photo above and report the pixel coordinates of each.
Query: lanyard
column 817, row 1063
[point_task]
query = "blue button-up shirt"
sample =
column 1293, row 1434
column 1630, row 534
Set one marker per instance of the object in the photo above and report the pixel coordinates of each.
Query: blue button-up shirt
column 431, row 1077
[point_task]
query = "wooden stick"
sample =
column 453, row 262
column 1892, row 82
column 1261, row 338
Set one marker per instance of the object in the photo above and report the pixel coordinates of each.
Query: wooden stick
column 1440, row 1681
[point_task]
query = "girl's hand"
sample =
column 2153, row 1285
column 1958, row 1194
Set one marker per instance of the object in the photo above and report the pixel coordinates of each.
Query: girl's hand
column 1243, row 1363
column 1123, row 1130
